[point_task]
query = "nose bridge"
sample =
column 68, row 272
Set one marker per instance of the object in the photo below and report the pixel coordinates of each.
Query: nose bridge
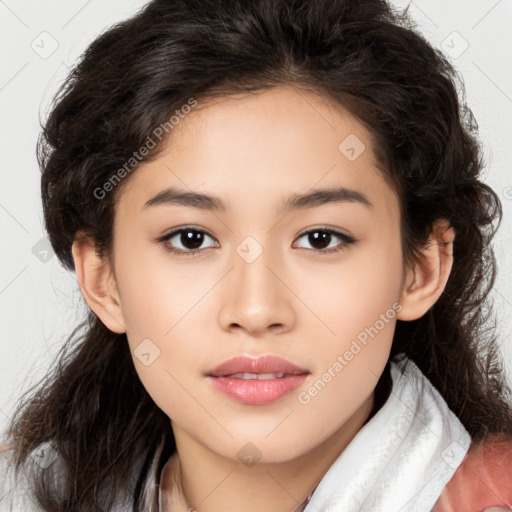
column 256, row 298
column 252, row 273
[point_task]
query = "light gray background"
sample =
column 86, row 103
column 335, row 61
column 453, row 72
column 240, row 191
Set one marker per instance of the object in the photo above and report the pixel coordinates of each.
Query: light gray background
column 40, row 303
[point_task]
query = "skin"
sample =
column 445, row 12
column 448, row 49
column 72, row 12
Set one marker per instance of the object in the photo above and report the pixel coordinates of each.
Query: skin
column 254, row 152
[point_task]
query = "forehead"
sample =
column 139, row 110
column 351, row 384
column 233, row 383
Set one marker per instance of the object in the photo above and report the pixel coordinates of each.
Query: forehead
column 261, row 146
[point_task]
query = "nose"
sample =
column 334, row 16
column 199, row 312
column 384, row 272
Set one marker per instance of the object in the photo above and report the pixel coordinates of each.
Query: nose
column 255, row 298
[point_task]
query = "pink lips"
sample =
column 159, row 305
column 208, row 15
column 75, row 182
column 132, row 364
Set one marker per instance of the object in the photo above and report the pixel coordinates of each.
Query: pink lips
column 263, row 389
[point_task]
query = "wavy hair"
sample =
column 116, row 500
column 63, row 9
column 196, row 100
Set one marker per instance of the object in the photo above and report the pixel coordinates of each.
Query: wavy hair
column 367, row 57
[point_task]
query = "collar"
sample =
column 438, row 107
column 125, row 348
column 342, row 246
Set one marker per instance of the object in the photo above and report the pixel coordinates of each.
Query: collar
column 403, row 457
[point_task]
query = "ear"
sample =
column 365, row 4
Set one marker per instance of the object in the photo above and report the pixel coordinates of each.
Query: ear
column 426, row 280
column 97, row 283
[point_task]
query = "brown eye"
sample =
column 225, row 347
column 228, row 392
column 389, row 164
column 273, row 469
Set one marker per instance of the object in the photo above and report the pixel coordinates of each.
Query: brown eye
column 185, row 241
column 191, row 239
column 319, row 239
column 324, row 240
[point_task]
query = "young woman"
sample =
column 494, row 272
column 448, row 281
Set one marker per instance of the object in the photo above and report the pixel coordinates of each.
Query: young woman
column 274, row 213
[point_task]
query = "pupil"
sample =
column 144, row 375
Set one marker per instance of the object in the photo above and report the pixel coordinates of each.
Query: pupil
column 319, row 237
column 192, row 239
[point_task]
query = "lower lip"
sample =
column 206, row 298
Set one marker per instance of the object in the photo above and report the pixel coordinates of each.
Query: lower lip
column 257, row 392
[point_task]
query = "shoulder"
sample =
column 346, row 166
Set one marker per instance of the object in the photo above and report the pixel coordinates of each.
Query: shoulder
column 14, row 488
column 483, row 481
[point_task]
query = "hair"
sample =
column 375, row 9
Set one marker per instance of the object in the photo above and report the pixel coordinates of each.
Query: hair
column 365, row 56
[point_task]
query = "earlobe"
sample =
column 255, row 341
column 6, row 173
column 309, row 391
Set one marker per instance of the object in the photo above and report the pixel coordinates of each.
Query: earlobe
column 97, row 284
column 426, row 281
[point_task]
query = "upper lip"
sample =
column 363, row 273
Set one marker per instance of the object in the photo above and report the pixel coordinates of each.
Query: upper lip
column 264, row 364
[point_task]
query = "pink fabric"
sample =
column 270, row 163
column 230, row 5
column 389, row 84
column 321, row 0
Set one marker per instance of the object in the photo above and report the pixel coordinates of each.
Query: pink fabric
column 483, row 482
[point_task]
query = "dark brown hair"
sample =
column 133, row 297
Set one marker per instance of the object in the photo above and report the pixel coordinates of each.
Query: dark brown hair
column 363, row 55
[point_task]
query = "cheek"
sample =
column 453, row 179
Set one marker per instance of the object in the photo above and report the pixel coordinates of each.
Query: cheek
column 355, row 294
column 166, row 386
column 156, row 293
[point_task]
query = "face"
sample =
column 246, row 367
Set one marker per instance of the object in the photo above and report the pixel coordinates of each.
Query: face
column 314, row 281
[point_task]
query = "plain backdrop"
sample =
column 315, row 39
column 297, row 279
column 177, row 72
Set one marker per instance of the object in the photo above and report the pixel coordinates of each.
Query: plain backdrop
column 40, row 303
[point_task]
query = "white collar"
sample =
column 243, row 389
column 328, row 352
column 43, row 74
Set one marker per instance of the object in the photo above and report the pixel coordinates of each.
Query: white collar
column 402, row 458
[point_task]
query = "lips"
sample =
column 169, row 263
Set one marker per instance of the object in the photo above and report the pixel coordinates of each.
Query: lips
column 258, row 381
column 261, row 366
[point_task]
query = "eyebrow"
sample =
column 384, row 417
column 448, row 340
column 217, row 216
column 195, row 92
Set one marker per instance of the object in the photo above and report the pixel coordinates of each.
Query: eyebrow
column 318, row 197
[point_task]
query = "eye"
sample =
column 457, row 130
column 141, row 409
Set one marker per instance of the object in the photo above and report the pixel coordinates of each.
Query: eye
column 188, row 241
column 323, row 239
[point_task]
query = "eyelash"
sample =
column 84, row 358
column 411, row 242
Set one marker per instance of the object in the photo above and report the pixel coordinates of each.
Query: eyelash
column 164, row 240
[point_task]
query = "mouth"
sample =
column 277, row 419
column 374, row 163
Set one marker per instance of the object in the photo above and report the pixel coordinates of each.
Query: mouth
column 257, row 381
